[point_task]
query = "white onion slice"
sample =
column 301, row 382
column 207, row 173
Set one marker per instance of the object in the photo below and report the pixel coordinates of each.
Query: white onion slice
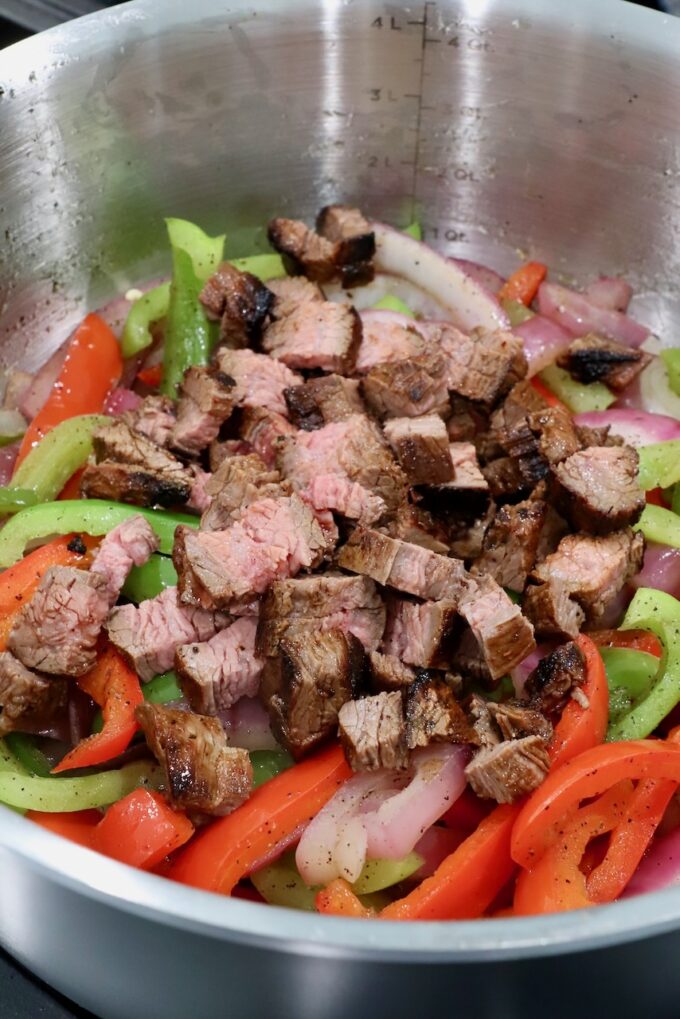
column 610, row 292
column 543, row 340
column 482, row 274
column 637, row 427
column 579, row 316
column 382, row 285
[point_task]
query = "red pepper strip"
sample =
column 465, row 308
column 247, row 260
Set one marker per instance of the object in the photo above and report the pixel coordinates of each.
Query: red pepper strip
column 115, row 687
column 78, row 825
column 580, row 728
column 92, row 368
column 338, row 899
column 467, row 812
column 547, row 394
column 524, row 283
column 655, row 497
column 556, row 882
column 71, row 489
column 141, row 829
column 637, row 640
column 468, row 880
column 152, row 376
column 221, row 854
column 19, row 583
column 588, row 775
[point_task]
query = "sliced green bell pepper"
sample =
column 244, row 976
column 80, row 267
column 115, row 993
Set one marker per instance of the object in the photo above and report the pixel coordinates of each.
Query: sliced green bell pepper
column 671, row 360
column 659, row 464
column 147, row 581
column 414, row 230
column 630, row 674
column 89, row 516
column 280, row 884
column 578, row 397
column 12, row 499
column 266, row 267
column 268, row 763
column 391, row 303
column 205, row 252
column 189, row 337
column 516, row 311
column 379, row 874
column 659, row 613
column 27, row 753
column 151, row 307
column 656, row 523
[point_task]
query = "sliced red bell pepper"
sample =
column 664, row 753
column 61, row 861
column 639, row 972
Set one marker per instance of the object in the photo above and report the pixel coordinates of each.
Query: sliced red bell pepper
column 113, row 685
column 92, row 368
column 77, row 826
column 338, row 899
column 524, row 283
column 141, row 830
column 588, row 775
column 221, row 854
column 467, row 812
column 468, row 880
column 547, row 394
column 636, row 640
column 580, row 728
column 152, row 376
column 19, row 583
column 655, row 497
column 71, row 489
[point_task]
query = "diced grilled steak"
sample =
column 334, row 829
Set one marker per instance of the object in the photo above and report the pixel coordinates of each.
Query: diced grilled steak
column 408, row 388
column 373, row 732
column 601, row 488
column 118, row 442
column 203, row 773
column 290, row 292
column 323, row 400
column 556, row 433
column 321, row 603
column 216, row 673
column 504, row 636
column 553, row 530
column 57, row 630
column 483, row 366
column 399, row 564
column 26, row 699
column 551, row 609
column 273, row 539
column 511, row 543
column 260, row 380
column 595, row 358
column 552, row 681
column 305, row 686
column 508, row 771
column 239, row 301
column 219, row 451
column 487, row 733
column 347, row 498
column 522, row 400
column 355, row 241
column 129, row 544
column 132, row 484
column 417, row 632
column 264, row 431
column 421, row 446
column 205, row 403
column 516, row 720
column 304, row 251
column 318, row 334
column 354, row 448
column 598, row 436
column 238, row 482
column 385, row 672
column 433, row 715
column 155, row 418
column 467, row 495
column 148, row 635
column 386, row 337
column 418, row 527
column 505, row 479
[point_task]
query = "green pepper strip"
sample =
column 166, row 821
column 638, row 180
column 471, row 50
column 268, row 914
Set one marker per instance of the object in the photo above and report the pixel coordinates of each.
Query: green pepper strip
column 630, row 674
column 188, row 334
column 379, row 874
column 14, row 499
column 81, row 793
column 268, row 763
column 656, row 523
column 50, row 464
column 659, row 613
column 659, row 464
column 414, row 230
column 26, row 752
column 265, row 267
column 89, row 516
column 149, row 580
column 205, row 252
column 280, row 884
column 151, row 307
column 391, row 303
column 578, row 397
column 516, row 311
column 671, row 360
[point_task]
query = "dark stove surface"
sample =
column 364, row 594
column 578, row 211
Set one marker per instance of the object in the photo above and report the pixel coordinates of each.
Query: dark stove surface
column 23, row 996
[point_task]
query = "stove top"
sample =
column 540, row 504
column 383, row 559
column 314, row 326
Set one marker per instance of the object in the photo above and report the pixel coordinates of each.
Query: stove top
column 23, row 996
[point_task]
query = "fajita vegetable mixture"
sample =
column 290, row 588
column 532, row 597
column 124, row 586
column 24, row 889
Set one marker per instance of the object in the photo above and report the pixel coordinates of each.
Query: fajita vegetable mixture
column 345, row 579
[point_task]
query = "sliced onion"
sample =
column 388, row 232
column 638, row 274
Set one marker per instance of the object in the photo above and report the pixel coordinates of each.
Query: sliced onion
column 610, row 292
column 656, row 396
column 659, row 869
column 12, row 426
column 467, row 303
column 8, row 457
column 578, row 315
column 615, row 610
column 482, row 274
column 120, row 400
column 637, row 427
column 543, row 341
column 660, row 569
column 366, row 297
column 291, row 839
column 247, row 725
column 41, row 386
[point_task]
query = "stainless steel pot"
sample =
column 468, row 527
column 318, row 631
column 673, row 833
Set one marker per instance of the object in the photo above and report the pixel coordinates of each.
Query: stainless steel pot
column 505, row 126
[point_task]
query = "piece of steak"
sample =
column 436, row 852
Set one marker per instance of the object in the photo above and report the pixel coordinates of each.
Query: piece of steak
column 345, row 248
column 421, row 446
column 305, row 686
column 600, row 488
column 418, row 527
column 203, row 773
column 317, row 334
column 322, row 400
column 290, row 292
column 264, row 431
column 118, row 442
column 238, row 482
column 347, row 498
column 131, row 484
column 219, row 451
column 466, row 537
column 510, row 544
column 347, row 228
column 593, row 358
column 129, row 544
column 418, row 632
column 550, row 684
column 504, row 635
column 551, row 609
column 401, row 565
column 27, row 700
column 516, row 720
column 372, row 731
column 487, row 733
column 386, row 337
column 237, row 300
column 321, row 603
column 481, row 367
column 505, row 479
column 305, row 253
column 260, row 380
column 556, row 433
column 509, row 770
column 273, row 539
column 57, row 631
column 148, row 634
column 205, row 403
column 467, row 494
column 408, row 388
column 433, row 715
column 155, row 418
column 388, row 673
column 216, row 673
